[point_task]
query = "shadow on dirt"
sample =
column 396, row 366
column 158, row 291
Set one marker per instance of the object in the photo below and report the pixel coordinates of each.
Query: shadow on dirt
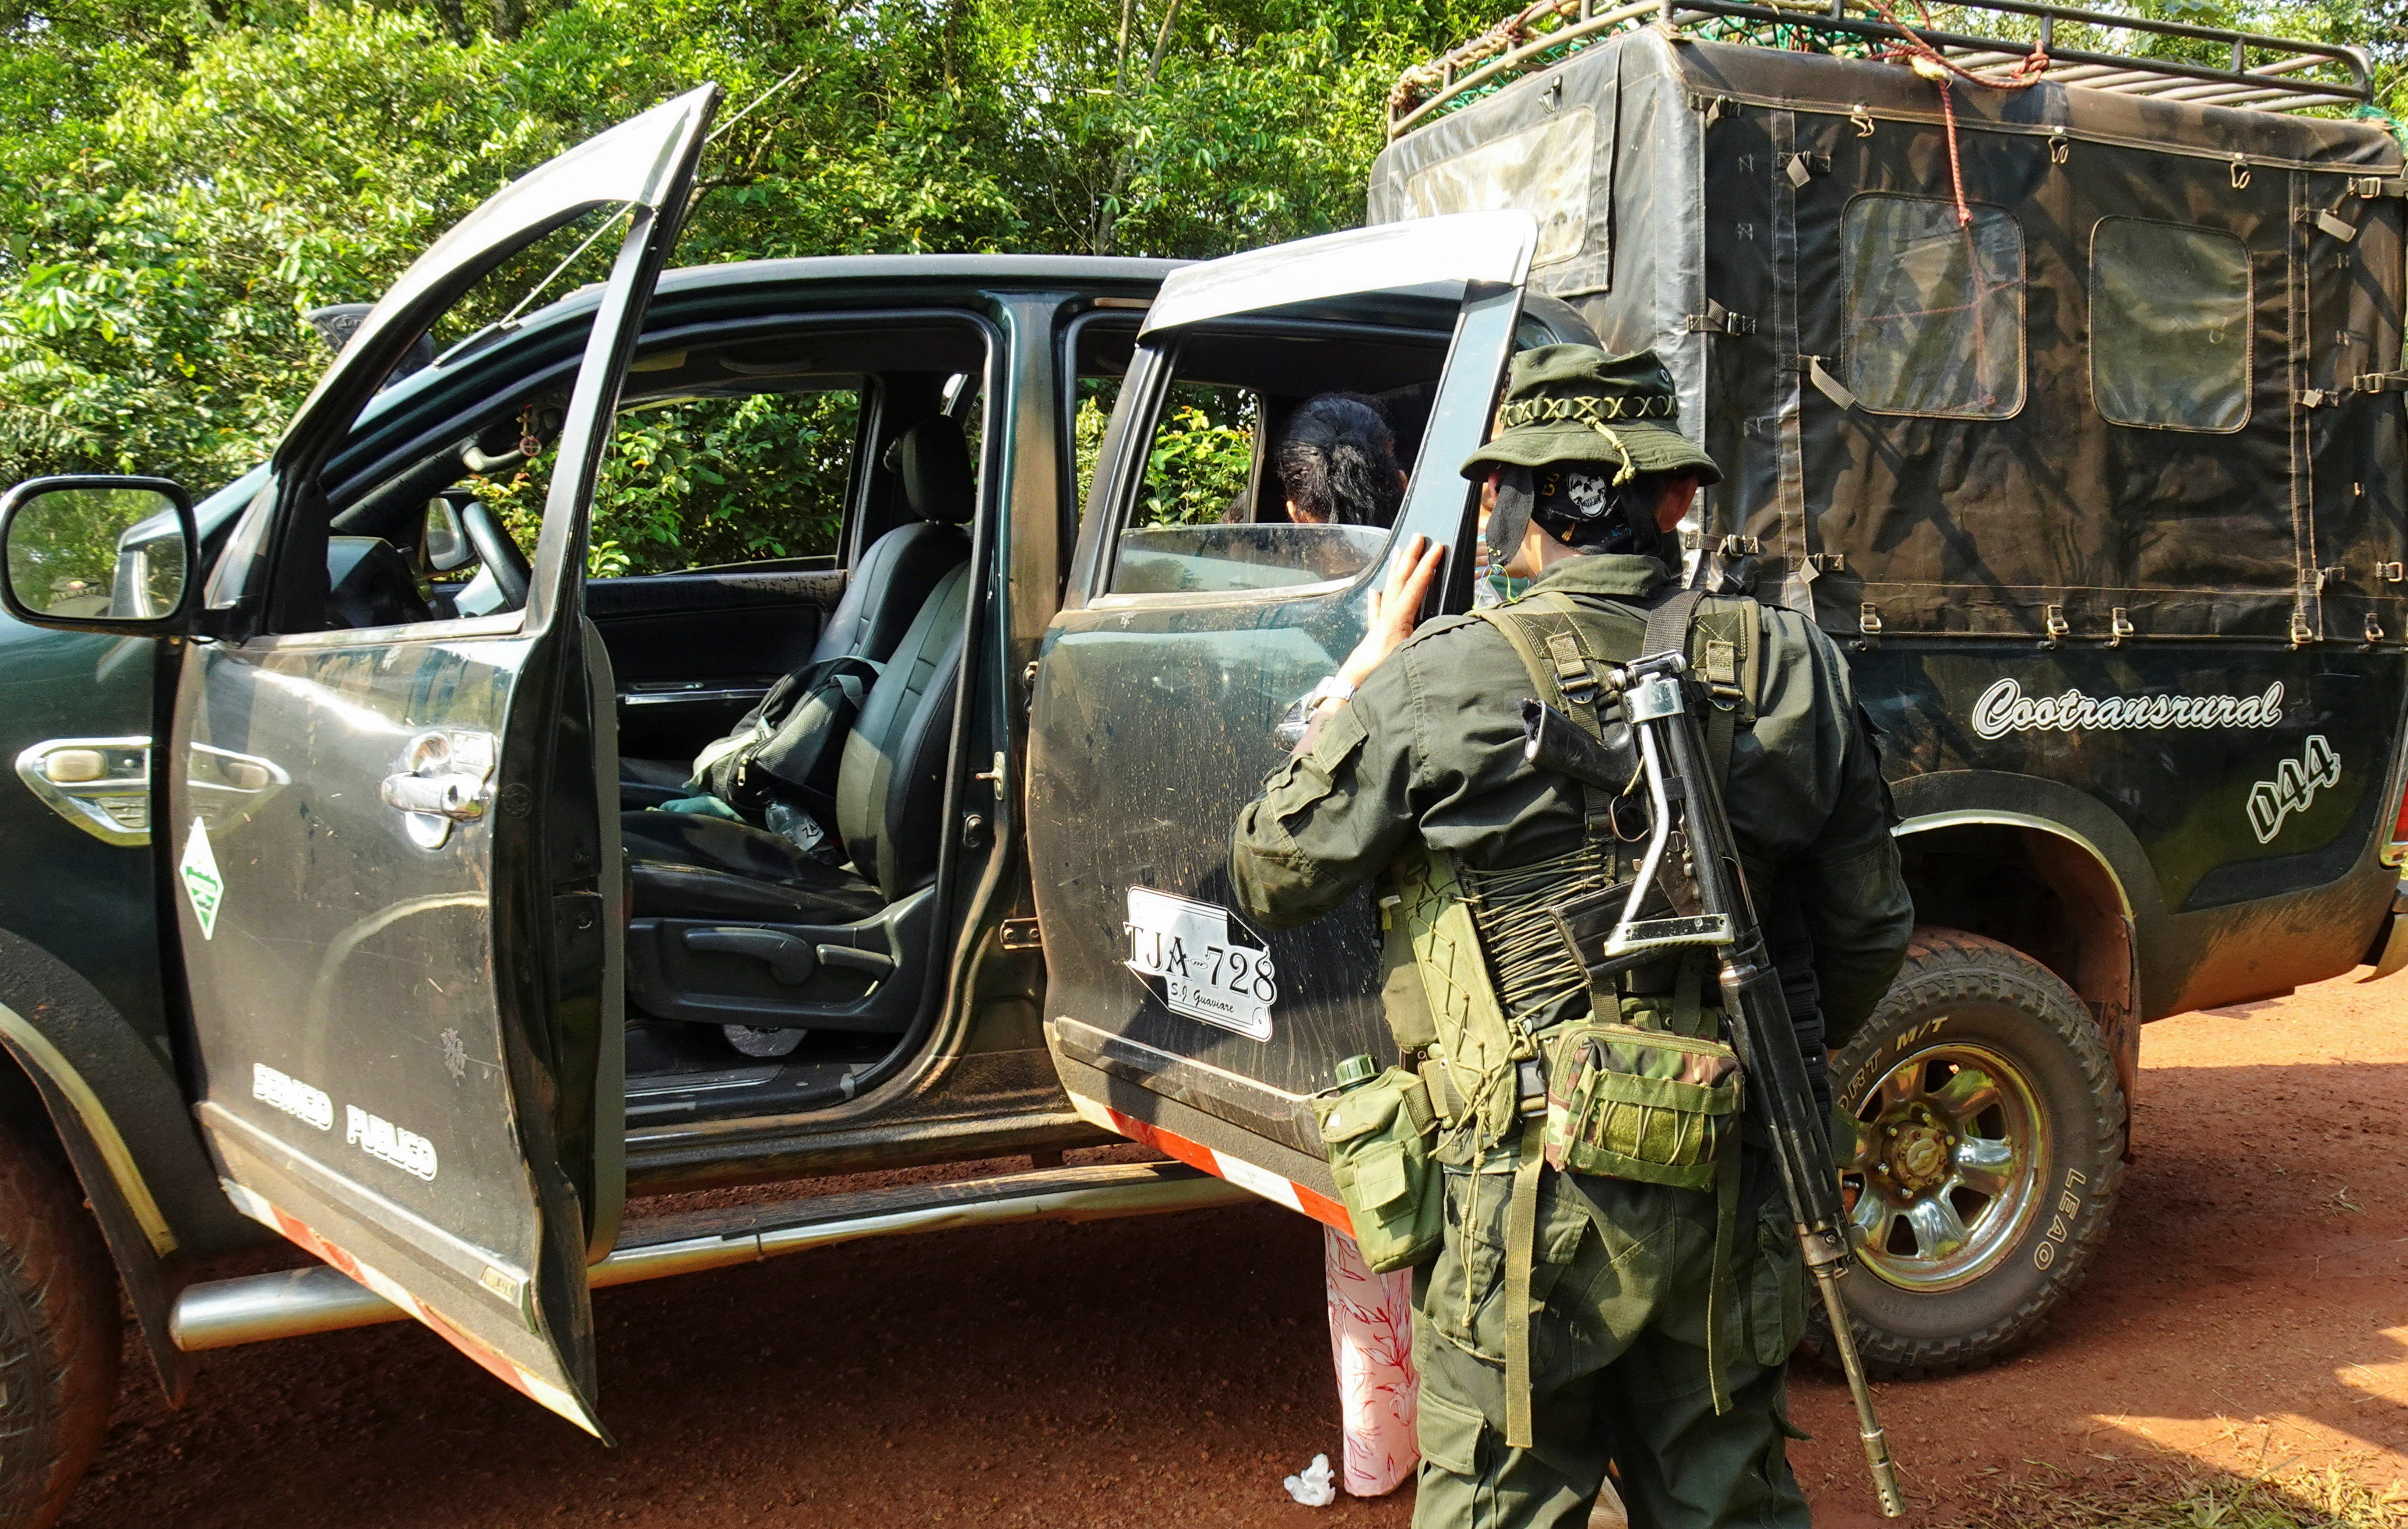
column 2245, row 1311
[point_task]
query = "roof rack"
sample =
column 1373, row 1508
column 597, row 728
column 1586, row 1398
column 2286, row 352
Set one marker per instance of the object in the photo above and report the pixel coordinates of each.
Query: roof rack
column 2088, row 48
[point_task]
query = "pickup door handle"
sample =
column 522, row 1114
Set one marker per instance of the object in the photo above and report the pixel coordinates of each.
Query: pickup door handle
column 457, row 797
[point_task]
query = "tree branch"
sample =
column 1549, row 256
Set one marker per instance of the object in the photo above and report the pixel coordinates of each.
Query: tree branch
column 1120, row 53
column 1161, row 42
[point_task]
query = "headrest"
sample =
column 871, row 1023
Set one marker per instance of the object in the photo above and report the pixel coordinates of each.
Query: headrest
column 935, row 463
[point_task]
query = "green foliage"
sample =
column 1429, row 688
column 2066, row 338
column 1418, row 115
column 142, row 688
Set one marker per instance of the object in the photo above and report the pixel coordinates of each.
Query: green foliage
column 1097, row 396
column 1202, row 452
column 180, row 180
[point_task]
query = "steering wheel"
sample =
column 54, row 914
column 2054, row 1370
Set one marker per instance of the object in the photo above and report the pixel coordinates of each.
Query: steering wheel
column 499, row 554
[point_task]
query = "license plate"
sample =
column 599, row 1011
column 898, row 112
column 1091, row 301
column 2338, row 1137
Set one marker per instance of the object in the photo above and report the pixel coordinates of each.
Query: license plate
column 1203, row 969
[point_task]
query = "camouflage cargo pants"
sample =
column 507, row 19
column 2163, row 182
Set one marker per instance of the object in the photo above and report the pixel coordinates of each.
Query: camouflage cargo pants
column 1618, row 1358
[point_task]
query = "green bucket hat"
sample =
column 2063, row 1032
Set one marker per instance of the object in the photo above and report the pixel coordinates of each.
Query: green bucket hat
column 1575, row 403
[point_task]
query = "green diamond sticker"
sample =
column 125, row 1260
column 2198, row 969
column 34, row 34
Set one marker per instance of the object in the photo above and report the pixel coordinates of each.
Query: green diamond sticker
column 202, row 882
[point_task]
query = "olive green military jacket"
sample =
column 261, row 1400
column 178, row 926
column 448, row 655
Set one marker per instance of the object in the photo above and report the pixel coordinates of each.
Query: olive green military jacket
column 1432, row 746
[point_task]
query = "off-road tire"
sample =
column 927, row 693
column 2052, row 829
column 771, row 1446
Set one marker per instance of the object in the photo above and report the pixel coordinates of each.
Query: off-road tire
column 58, row 1335
column 1963, row 1004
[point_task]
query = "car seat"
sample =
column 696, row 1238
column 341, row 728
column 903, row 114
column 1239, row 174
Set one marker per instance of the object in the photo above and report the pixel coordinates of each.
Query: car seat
column 888, row 588
column 732, row 925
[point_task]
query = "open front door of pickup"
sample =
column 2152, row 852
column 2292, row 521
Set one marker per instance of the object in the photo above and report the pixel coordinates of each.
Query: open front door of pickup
column 396, row 865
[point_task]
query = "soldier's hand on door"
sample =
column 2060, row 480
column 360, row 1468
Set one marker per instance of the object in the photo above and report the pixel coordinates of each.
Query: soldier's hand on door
column 1396, row 609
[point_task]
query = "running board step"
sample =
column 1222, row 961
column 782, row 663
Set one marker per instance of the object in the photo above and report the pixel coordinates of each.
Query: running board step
column 221, row 1314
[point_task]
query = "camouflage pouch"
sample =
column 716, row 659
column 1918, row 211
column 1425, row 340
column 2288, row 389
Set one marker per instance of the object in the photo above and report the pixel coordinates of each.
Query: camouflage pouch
column 1630, row 1103
column 1378, row 1136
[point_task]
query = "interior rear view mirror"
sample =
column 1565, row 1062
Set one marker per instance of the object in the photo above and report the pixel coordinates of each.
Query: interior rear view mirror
column 96, row 554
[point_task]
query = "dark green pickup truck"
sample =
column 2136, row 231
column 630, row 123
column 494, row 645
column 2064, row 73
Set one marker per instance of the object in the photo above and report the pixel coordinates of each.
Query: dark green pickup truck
column 340, row 903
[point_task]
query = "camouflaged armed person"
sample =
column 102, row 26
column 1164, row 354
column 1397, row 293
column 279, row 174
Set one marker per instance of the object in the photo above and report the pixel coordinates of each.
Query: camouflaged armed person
column 1598, row 1284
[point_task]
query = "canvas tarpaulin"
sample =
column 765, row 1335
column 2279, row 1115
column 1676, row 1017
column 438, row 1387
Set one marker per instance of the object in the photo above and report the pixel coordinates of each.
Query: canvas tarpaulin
column 2114, row 398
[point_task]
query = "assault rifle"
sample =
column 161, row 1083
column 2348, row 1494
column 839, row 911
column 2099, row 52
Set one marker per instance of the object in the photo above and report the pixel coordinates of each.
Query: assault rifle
column 1709, row 909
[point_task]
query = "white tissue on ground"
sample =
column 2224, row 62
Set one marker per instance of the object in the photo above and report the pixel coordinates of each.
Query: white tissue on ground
column 1313, row 1486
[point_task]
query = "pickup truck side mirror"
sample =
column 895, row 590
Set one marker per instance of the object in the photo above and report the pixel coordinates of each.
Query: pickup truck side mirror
column 97, row 555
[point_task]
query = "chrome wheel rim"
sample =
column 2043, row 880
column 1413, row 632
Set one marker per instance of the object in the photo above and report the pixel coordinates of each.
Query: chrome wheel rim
column 1945, row 1172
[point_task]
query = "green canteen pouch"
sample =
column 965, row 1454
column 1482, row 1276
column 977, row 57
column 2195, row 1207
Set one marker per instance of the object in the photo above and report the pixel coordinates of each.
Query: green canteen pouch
column 1628, row 1103
column 1378, row 1135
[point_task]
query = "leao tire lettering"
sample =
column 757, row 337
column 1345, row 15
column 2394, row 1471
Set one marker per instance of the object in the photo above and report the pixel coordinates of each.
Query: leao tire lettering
column 2069, row 1204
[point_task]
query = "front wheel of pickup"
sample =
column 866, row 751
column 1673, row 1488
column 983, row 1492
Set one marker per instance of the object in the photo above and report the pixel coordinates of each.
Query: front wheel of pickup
column 1989, row 1138
column 58, row 1335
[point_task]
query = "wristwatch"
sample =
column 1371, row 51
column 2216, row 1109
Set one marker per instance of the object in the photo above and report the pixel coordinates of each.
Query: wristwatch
column 1331, row 688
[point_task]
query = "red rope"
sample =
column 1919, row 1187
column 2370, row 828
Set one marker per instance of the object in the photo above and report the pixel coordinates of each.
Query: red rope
column 2025, row 75
column 1955, row 169
column 1933, row 66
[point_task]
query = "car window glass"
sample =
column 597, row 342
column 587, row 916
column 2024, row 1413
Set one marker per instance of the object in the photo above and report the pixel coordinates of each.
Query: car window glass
column 1196, row 471
column 1209, row 511
column 693, row 482
column 1935, row 307
column 1100, row 348
column 964, row 399
column 2168, row 325
column 1098, row 396
column 369, row 530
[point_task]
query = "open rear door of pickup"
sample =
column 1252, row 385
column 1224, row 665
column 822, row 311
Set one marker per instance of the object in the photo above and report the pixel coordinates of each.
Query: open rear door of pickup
column 1198, row 613
column 396, row 853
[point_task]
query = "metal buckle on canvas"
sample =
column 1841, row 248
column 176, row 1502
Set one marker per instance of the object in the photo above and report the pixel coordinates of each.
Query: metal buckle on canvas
column 1574, row 674
column 1718, row 319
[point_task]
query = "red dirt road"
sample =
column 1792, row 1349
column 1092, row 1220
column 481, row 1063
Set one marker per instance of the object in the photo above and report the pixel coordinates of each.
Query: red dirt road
column 2252, row 1308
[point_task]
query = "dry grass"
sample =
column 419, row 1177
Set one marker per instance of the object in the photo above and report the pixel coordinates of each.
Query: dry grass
column 2332, row 1499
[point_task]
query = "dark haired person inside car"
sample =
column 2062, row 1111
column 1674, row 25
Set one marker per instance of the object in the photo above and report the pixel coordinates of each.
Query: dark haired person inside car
column 1338, row 462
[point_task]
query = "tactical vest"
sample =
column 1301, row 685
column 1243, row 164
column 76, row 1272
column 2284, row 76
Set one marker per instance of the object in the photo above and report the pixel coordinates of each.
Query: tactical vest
column 1479, row 963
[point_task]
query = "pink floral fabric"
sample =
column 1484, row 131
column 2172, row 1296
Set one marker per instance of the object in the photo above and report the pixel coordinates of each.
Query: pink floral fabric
column 1371, row 1344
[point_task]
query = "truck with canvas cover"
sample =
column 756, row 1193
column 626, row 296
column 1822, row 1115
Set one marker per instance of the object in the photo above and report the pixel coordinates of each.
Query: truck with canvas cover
column 2053, row 360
